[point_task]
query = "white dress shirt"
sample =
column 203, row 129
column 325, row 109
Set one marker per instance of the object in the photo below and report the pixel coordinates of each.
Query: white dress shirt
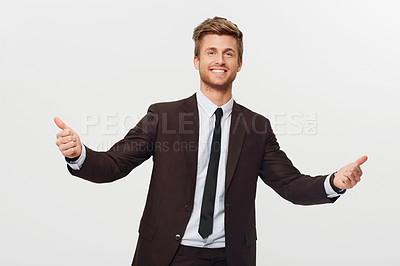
column 206, row 110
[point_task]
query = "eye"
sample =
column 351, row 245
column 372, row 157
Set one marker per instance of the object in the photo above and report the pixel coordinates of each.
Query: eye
column 229, row 54
column 211, row 53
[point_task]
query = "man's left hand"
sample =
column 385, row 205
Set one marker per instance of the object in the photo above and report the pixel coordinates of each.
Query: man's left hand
column 349, row 175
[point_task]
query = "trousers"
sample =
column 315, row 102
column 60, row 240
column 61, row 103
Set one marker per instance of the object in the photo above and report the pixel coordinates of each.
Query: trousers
column 192, row 256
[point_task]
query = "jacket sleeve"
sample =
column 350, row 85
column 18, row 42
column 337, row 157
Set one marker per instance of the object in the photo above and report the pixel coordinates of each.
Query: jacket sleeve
column 135, row 148
column 278, row 172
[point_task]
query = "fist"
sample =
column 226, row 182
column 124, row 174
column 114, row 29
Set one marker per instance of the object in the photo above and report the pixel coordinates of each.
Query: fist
column 349, row 175
column 67, row 140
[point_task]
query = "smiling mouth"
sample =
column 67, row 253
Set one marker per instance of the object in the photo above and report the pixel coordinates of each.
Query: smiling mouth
column 218, row 70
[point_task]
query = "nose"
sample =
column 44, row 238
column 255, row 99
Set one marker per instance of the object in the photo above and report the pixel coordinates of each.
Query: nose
column 219, row 59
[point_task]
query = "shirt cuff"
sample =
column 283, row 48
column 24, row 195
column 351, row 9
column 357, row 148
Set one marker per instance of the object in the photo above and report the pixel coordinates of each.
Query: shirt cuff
column 77, row 164
column 330, row 192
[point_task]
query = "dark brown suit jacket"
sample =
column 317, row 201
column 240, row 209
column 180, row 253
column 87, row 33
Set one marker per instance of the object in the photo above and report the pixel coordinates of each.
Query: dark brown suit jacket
column 169, row 133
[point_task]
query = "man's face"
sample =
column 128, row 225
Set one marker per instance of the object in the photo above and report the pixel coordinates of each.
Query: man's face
column 218, row 61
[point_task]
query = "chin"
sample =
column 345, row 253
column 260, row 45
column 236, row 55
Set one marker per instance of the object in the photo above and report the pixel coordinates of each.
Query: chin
column 219, row 87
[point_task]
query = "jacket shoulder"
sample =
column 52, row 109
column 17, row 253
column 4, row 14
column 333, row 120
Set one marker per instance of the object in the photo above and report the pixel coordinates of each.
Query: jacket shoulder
column 250, row 114
column 174, row 105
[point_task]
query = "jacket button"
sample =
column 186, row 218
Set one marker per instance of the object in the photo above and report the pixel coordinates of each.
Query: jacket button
column 177, row 237
column 188, row 207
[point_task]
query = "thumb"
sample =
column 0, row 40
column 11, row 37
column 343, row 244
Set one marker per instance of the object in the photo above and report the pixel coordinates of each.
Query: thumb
column 361, row 160
column 60, row 123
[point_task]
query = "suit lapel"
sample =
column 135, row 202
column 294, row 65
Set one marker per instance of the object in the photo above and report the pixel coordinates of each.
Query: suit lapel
column 236, row 138
column 191, row 138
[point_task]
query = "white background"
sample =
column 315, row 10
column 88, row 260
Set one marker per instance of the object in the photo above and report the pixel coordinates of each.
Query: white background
column 77, row 59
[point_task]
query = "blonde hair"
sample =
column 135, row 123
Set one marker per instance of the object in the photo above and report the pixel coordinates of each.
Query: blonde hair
column 219, row 26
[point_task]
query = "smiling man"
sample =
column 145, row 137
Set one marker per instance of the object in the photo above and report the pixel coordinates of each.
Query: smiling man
column 200, row 208
column 220, row 61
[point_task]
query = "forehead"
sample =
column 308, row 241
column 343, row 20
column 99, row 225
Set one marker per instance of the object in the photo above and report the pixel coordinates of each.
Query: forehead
column 221, row 42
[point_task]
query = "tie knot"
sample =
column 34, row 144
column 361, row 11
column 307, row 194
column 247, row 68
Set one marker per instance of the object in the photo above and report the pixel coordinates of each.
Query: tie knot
column 218, row 113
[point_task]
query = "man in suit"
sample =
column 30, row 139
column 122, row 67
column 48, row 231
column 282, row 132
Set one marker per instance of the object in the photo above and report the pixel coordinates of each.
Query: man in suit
column 208, row 153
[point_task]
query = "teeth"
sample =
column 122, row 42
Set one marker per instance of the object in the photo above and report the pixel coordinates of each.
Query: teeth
column 218, row 70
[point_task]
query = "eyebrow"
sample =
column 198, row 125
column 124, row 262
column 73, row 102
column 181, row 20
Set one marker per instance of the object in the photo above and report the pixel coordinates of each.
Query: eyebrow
column 225, row 50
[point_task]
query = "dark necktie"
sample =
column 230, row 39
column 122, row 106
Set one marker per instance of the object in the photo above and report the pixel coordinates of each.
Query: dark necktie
column 207, row 207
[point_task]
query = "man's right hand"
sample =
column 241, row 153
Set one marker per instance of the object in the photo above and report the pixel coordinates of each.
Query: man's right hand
column 67, row 140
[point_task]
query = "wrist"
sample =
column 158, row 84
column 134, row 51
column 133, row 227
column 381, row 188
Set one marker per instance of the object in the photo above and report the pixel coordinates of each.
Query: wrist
column 332, row 183
column 72, row 159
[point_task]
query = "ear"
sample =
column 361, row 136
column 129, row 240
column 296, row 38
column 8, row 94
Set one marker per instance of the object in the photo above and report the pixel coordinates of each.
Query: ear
column 240, row 66
column 196, row 62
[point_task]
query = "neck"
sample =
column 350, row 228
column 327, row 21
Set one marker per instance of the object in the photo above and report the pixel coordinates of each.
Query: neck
column 218, row 96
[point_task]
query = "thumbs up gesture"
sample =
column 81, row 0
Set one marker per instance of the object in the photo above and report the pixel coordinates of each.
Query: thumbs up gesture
column 349, row 175
column 67, row 140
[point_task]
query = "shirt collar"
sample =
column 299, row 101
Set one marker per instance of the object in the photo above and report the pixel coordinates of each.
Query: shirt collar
column 209, row 107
